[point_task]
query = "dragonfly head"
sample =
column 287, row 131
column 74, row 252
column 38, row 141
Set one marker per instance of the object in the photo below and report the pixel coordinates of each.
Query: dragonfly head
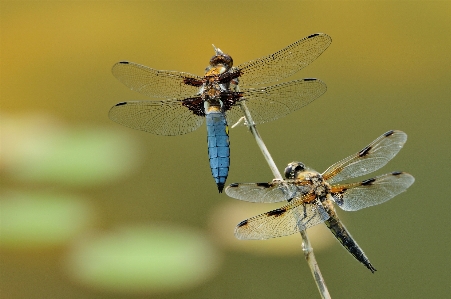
column 293, row 169
column 221, row 59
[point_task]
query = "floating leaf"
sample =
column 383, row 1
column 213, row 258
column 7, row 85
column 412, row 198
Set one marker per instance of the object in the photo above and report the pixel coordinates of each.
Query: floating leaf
column 41, row 220
column 40, row 149
column 143, row 260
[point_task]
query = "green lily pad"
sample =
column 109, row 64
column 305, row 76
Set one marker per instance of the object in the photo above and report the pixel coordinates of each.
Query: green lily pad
column 41, row 220
column 143, row 259
column 41, row 149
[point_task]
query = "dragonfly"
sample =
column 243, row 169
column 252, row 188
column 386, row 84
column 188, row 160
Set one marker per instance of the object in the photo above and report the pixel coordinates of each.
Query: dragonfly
column 218, row 95
column 311, row 195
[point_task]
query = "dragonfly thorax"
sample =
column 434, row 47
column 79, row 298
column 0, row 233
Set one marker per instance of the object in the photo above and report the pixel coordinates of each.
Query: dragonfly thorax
column 211, row 90
column 310, row 181
column 320, row 187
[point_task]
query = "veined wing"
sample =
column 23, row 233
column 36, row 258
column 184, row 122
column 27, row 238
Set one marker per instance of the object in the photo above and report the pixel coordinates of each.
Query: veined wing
column 274, row 191
column 167, row 117
column 371, row 192
column 273, row 102
column 285, row 62
column 289, row 219
column 154, row 83
column 369, row 159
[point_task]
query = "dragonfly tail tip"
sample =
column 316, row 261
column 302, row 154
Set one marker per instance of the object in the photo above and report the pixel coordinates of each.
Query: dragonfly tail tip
column 372, row 269
column 220, row 187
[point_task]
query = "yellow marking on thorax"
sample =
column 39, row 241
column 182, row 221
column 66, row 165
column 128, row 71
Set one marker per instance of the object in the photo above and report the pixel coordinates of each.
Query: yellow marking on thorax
column 303, row 175
column 215, row 71
column 214, row 108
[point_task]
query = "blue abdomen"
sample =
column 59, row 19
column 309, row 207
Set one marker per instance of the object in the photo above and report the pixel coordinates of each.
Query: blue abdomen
column 218, row 147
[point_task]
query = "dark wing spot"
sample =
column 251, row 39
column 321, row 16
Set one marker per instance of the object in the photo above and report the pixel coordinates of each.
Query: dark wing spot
column 264, row 185
column 192, row 82
column 121, row 103
column 338, row 199
column 338, row 196
column 313, row 35
column 123, row 62
column 389, row 133
column 242, row 223
column 234, row 185
column 396, row 172
column 309, row 79
column 365, row 151
column 229, row 99
column 229, row 76
column 276, row 212
column 368, row 182
column 196, row 105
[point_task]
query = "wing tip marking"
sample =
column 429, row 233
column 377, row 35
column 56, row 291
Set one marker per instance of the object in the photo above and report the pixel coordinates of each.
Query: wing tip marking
column 389, row 133
column 313, row 35
column 242, row 223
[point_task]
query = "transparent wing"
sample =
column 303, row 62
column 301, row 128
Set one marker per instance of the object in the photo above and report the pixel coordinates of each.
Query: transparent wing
column 273, row 102
column 371, row 192
column 285, row 62
column 167, row 117
column 154, row 83
column 287, row 220
column 274, row 191
column 369, row 159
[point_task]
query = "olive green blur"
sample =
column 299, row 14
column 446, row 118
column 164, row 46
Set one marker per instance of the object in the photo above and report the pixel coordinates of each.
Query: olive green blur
column 90, row 209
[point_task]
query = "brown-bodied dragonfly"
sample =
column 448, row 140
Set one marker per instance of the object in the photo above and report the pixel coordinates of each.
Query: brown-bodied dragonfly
column 217, row 95
column 311, row 194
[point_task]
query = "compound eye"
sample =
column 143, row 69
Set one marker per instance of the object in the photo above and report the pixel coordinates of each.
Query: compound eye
column 293, row 169
column 299, row 167
column 223, row 59
column 289, row 171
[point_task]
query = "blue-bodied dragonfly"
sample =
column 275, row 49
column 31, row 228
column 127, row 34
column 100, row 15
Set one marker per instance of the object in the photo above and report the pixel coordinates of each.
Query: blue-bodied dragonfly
column 311, row 195
column 218, row 94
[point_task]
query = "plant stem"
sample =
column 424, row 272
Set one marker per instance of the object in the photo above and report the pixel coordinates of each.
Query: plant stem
column 306, row 248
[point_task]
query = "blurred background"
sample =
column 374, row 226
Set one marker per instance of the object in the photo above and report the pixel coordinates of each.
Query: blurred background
column 91, row 209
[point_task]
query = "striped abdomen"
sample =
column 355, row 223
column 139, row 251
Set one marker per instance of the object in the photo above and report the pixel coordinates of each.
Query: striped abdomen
column 341, row 233
column 218, row 146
